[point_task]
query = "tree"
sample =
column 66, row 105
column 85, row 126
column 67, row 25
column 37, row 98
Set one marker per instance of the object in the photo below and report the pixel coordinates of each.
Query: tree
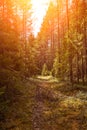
column 68, row 38
column 44, row 70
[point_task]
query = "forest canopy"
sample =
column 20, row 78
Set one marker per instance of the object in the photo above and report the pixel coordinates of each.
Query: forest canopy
column 61, row 43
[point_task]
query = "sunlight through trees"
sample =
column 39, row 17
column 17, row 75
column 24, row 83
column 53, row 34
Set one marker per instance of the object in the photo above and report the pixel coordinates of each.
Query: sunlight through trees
column 46, row 38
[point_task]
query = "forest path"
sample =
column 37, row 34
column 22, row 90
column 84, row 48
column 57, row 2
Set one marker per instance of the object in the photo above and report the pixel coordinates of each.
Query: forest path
column 44, row 103
column 58, row 106
column 43, row 92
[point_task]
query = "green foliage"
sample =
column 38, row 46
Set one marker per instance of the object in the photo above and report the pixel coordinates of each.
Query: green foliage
column 22, row 56
column 45, row 70
column 55, row 67
column 68, row 38
column 13, row 65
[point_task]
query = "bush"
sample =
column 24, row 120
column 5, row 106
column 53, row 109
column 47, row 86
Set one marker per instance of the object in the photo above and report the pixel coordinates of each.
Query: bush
column 45, row 71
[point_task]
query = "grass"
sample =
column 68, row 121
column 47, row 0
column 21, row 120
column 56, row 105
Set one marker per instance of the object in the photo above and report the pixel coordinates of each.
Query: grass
column 62, row 107
column 65, row 105
column 18, row 112
column 47, row 78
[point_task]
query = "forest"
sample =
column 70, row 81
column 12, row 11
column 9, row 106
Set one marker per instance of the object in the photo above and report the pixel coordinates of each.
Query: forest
column 43, row 78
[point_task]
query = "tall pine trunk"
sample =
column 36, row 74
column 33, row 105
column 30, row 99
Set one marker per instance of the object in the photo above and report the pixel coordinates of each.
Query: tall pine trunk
column 69, row 45
column 58, row 35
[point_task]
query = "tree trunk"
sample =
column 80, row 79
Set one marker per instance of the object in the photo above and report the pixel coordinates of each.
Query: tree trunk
column 58, row 36
column 83, row 81
column 70, row 49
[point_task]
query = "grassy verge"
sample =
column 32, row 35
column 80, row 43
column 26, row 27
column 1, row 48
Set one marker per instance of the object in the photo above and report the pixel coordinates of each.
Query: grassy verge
column 16, row 106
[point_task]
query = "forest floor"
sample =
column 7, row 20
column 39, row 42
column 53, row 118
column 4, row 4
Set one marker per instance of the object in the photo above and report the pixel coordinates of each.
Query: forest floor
column 44, row 103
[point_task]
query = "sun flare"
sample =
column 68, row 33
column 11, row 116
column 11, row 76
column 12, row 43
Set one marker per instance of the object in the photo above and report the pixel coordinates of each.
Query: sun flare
column 39, row 10
column 40, row 4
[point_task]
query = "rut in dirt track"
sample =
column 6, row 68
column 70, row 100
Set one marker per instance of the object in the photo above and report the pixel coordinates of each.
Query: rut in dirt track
column 39, row 106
